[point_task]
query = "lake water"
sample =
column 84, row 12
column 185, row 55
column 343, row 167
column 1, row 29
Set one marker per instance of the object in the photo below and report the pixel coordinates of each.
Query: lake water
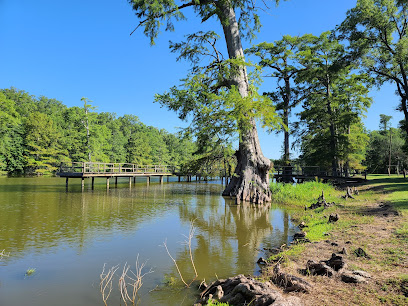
column 68, row 235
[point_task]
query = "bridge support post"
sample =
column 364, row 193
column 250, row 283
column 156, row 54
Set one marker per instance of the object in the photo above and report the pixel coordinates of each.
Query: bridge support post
column 179, row 178
column 168, row 178
column 93, row 183
column 134, row 180
column 161, row 179
column 82, row 184
column 130, row 182
column 116, row 181
column 66, row 183
column 107, row 183
column 148, row 180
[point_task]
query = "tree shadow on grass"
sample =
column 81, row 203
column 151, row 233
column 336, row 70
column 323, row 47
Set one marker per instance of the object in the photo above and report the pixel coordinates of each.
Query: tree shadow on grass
column 396, row 187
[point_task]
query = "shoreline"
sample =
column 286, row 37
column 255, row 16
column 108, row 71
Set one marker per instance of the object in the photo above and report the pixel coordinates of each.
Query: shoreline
column 375, row 221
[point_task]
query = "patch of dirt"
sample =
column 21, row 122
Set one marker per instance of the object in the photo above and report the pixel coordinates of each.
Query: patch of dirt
column 386, row 260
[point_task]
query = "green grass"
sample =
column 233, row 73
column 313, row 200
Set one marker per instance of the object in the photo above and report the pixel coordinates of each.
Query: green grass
column 212, row 302
column 396, row 188
column 302, row 194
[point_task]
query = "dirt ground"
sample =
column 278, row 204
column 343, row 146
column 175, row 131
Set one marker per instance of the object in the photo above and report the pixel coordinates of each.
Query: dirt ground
column 387, row 260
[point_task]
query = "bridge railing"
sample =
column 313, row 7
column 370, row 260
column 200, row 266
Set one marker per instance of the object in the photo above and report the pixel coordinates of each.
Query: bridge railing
column 94, row 167
column 298, row 170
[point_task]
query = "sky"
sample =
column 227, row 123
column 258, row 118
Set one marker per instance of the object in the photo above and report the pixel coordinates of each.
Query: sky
column 83, row 48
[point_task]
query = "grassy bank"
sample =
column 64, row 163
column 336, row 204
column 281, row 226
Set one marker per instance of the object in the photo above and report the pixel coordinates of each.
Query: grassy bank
column 299, row 196
column 376, row 221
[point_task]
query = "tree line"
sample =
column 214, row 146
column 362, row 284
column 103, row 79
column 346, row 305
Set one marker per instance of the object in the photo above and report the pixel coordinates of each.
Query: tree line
column 38, row 133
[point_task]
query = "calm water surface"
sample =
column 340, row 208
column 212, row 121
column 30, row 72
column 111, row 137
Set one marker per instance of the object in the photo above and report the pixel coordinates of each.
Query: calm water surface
column 67, row 236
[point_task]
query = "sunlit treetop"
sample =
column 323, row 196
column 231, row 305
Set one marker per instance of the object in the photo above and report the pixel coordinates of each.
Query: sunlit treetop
column 156, row 14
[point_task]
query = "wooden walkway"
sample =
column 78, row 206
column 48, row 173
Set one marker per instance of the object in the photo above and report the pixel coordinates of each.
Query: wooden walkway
column 113, row 170
column 305, row 173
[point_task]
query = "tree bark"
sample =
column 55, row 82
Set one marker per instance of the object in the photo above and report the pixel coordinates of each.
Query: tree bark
column 250, row 182
column 286, row 100
column 333, row 144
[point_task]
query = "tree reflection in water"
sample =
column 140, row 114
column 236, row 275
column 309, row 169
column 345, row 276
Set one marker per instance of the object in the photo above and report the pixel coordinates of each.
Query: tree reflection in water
column 229, row 239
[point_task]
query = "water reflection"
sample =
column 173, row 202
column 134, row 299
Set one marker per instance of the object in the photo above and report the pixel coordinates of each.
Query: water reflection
column 229, row 237
column 66, row 234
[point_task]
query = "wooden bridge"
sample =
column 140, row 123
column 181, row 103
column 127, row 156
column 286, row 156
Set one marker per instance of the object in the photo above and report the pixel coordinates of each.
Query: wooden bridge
column 113, row 170
column 304, row 173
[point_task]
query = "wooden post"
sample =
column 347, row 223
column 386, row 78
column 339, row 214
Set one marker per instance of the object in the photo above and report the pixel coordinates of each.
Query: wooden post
column 82, row 183
column 116, row 181
column 66, row 183
column 148, row 180
column 179, row 178
column 93, row 183
column 130, row 182
column 161, row 179
column 107, row 183
column 134, row 180
column 168, row 178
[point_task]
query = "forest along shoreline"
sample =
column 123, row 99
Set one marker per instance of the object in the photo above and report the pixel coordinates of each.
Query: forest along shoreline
column 352, row 247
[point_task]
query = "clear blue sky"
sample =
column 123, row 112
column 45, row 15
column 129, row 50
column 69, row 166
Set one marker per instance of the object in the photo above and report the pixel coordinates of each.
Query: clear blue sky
column 82, row 48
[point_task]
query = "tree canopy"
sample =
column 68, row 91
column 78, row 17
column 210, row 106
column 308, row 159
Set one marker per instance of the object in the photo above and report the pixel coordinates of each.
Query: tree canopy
column 37, row 134
column 377, row 34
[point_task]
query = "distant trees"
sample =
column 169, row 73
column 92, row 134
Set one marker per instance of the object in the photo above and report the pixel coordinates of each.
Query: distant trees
column 10, row 140
column 334, row 103
column 385, row 151
column 37, row 134
column 43, row 149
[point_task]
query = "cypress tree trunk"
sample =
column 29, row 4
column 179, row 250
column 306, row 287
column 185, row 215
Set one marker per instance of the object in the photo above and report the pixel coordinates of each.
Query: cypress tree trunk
column 251, row 179
column 333, row 141
column 286, row 99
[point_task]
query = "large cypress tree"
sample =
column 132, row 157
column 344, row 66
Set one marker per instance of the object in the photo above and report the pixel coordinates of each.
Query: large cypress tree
column 218, row 95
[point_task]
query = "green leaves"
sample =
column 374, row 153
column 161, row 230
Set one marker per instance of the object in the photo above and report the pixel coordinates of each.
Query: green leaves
column 215, row 106
column 377, row 32
column 37, row 141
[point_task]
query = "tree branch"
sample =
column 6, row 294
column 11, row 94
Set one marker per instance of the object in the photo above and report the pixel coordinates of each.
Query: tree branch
column 386, row 75
column 164, row 14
